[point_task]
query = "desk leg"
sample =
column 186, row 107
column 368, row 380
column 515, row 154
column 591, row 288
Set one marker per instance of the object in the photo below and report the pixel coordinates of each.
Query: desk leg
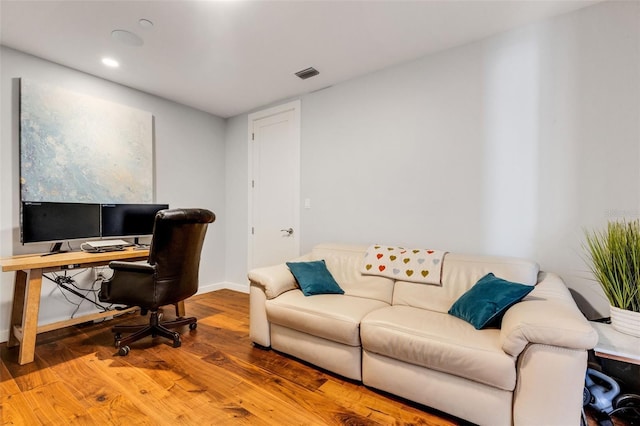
column 30, row 317
column 17, row 308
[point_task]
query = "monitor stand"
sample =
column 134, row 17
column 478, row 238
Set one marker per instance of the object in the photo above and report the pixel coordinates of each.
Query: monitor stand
column 55, row 249
column 136, row 242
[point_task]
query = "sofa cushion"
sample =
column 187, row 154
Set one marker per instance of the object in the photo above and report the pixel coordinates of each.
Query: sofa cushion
column 344, row 261
column 314, row 278
column 334, row 317
column 460, row 272
column 440, row 342
column 484, row 304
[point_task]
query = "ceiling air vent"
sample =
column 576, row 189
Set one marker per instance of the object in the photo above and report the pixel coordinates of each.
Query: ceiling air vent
column 309, row 72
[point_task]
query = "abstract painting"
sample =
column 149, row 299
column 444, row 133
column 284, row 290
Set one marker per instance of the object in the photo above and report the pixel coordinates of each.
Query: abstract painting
column 78, row 148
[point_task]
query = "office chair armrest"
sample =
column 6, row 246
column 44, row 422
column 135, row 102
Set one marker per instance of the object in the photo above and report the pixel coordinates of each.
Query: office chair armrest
column 132, row 267
column 128, row 283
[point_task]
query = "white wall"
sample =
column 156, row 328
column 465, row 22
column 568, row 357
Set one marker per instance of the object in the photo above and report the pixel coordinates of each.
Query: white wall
column 509, row 146
column 236, row 202
column 189, row 162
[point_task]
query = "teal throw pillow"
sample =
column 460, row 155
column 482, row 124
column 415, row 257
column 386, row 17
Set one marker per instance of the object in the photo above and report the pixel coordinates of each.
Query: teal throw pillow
column 484, row 304
column 314, row 278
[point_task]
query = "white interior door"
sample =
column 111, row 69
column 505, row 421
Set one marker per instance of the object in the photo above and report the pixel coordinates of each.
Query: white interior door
column 274, row 185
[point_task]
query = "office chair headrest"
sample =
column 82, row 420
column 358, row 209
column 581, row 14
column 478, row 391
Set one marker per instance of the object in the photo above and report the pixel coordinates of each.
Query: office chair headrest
column 187, row 215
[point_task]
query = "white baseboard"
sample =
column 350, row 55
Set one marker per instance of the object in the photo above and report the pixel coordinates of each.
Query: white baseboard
column 242, row 288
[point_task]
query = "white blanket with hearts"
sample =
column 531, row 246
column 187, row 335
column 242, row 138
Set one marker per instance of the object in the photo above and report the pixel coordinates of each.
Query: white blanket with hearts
column 416, row 265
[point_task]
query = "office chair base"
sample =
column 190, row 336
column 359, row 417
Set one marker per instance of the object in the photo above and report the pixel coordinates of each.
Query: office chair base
column 154, row 329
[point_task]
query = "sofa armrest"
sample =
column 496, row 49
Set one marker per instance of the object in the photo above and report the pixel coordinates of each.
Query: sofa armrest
column 548, row 316
column 275, row 280
column 267, row 283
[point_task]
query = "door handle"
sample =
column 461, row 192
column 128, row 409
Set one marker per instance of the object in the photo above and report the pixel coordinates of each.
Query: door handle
column 288, row 231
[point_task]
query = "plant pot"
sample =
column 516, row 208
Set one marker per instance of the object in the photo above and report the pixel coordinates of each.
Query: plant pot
column 624, row 321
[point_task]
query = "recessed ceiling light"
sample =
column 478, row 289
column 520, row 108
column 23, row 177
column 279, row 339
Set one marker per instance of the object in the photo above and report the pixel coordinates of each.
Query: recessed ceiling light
column 126, row 37
column 112, row 63
column 145, row 23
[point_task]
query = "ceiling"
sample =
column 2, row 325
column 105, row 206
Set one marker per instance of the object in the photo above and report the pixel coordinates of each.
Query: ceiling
column 229, row 57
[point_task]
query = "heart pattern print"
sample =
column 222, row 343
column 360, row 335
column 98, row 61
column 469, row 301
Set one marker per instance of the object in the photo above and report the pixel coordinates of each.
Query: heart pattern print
column 399, row 263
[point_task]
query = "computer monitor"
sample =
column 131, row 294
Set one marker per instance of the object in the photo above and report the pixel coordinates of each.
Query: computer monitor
column 57, row 222
column 129, row 220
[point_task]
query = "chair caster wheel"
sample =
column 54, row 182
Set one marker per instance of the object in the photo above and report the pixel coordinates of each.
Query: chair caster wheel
column 124, row 351
column 193, row 326
column 117, row 336
column 177, row 342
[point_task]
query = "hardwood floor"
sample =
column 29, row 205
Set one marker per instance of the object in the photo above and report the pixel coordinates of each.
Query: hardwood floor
column 216, row 377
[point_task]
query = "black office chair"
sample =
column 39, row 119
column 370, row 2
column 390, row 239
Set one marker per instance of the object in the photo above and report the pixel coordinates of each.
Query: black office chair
column 169, row 276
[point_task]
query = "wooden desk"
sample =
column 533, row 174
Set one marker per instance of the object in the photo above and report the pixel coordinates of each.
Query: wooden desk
column 615, row 345
column 28, row 285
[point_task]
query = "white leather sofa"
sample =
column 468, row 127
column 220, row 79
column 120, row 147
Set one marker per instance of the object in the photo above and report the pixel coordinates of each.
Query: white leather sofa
column 397, row 336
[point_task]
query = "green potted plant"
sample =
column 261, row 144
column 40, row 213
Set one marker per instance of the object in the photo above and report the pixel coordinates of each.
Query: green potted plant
column 614, row 259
